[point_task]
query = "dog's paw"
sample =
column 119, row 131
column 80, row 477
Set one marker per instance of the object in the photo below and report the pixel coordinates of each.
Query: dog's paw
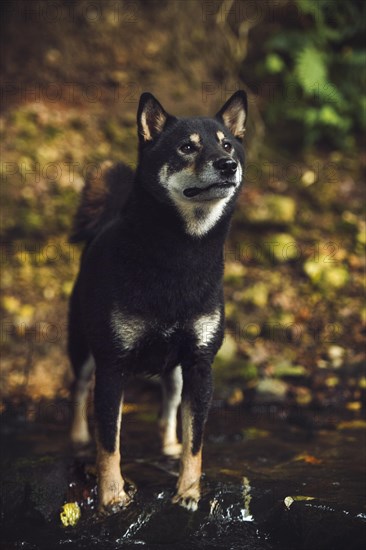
column 116, row 497
column 188, row 500
column 117, row 503
column 174, row 450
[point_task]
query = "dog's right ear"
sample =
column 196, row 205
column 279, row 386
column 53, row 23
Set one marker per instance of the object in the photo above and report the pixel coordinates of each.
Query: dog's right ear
column 151, row 118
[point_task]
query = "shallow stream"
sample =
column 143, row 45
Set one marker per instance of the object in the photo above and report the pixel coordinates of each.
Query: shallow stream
column 271, row 481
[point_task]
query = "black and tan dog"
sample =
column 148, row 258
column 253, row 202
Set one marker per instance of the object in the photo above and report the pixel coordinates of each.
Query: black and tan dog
column 149, row 297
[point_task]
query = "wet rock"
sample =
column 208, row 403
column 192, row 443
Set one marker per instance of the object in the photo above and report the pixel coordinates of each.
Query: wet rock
column 169, row 526
column 314, row 526
column 34, row 489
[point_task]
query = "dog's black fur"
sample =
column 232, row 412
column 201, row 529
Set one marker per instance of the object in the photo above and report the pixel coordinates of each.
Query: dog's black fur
column 149, row 293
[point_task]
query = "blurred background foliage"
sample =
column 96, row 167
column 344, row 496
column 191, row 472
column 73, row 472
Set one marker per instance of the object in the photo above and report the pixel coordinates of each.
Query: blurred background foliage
column 324, row 62
column 73, row 72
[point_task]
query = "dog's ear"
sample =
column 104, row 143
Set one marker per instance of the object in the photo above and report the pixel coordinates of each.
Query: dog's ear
column 234, row 114
column 151, row 118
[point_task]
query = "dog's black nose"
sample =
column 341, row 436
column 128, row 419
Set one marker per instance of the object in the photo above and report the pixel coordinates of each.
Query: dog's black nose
column 226, row 165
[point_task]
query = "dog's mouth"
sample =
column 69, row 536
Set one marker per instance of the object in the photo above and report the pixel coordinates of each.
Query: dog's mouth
column 191, row 192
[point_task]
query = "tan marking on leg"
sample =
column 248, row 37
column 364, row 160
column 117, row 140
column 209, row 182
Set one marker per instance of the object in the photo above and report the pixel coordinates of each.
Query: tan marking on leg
column 196, row 138
column 188, row 486
column 79, row 429
column 168, row 421
column 111, row 492
column 220, row 135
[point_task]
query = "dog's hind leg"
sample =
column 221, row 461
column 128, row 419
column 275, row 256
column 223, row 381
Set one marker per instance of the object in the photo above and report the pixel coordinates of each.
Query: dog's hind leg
column 79, row 429
column 172, row 384
column 196, row 398
column 83, row 367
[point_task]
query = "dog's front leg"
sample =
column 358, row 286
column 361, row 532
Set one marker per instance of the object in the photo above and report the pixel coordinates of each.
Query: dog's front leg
column 196, row 399
column 108, row 399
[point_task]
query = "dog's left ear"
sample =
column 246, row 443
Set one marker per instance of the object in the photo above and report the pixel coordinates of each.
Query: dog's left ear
column 151, row 118
column 234, row 114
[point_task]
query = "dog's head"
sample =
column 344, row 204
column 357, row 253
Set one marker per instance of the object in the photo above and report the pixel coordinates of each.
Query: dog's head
column 196, row 164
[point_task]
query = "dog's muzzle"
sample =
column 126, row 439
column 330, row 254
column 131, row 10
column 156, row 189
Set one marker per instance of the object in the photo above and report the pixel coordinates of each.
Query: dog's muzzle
column 215, row 190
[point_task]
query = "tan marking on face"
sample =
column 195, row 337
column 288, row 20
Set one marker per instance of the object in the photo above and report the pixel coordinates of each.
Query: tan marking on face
column 196, row 138
column 191, row 169
column 188, row 486
column 110, row 481
column 220, row 135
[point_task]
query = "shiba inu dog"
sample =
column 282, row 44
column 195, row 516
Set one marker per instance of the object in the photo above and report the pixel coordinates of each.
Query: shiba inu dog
column 149, row 294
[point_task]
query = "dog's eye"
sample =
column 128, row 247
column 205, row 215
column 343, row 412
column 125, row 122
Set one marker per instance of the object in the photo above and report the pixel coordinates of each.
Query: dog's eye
column 187, row 148
column 227, row 146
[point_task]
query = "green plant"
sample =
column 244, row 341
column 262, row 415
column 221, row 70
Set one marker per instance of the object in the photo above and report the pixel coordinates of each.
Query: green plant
column 318, row 64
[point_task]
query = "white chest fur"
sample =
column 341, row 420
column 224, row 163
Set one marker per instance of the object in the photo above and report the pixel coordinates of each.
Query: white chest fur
column 129, row 330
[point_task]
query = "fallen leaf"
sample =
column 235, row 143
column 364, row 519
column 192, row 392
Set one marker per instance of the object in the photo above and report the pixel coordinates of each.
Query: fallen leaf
column 309, row 459
column 70, row 514
column 288, row 501
column 298, row 498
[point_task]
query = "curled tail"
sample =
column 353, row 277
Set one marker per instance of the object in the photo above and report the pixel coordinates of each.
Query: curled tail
column 103, row 196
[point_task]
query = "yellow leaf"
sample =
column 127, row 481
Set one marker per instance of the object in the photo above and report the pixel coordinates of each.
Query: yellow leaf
column 298, row 498
column 70, row 514
column 288, row 501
